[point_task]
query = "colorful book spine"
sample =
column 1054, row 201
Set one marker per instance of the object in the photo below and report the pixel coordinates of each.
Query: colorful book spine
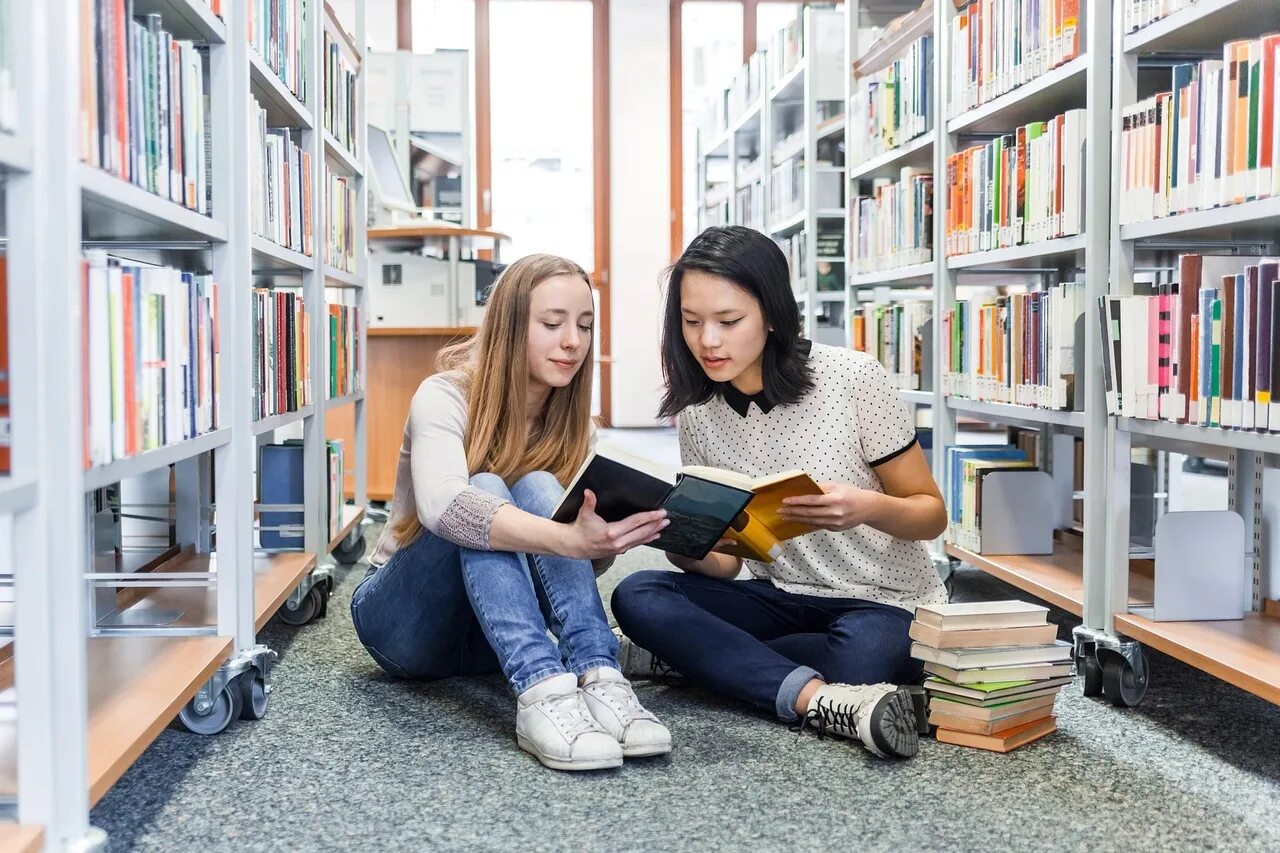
column 340, row 221
column 346, row 374
column 892, row 106
column 282, row 371
column 340, row 78
column 278, row 33
column 891, row 222
column 900, row 336
column 280, row 186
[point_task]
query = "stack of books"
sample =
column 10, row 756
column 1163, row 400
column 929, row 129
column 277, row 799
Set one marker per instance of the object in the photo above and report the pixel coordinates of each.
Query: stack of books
column 995, row 669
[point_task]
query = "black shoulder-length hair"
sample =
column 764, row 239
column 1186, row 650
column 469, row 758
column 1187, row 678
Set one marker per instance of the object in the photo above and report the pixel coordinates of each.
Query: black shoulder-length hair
column 753, row 262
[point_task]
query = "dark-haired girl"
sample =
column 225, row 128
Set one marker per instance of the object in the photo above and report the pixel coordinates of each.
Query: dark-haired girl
column 820, row 634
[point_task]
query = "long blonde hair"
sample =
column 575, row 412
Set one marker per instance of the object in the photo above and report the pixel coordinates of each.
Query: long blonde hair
column 494, row 380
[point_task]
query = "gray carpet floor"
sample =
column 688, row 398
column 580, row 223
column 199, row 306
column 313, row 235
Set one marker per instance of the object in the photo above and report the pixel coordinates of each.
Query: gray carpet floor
column 350, row 759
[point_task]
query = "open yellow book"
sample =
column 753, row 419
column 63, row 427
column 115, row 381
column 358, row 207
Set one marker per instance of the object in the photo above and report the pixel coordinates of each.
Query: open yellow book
column 759, row 531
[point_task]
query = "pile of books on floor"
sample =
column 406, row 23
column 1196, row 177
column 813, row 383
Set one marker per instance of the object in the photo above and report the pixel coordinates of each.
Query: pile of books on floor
column 995, row 669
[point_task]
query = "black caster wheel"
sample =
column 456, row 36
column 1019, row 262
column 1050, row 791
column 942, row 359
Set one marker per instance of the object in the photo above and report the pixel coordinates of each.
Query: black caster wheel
column 225, row 708
column 1121, row 684
column 351, row 549
column 305, row 611
column 253, row 695
column 1092, row 671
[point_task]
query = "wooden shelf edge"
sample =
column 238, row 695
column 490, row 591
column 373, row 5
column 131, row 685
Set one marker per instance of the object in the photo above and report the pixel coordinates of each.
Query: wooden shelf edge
column 21, row 838
column 351, row 516
column 272, row 587
column 1041, row 589
column 1225, row 650
column 108, row 757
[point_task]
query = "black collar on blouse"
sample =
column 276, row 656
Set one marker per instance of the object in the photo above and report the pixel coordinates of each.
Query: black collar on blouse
column 741, row 403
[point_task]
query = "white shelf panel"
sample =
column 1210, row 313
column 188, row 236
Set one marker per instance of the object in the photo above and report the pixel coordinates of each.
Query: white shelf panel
column 830, row 127
column 913, row 274
column 894, row 43
column 1014, row 414
column 915, row 152
column 269, row 255
column 282, row 420
column 15, row 153
column 17, row 495
column 1252, row 220
column 831, row 213
column 916, row 398
column 185, row 19
column 791, row 86
column 1191, row 434
column 334, row 277
column 719, row 147
column 117, row 209
column 1031, row 254
column 794, row 148
column 1041, row 99
column 162, row 457
column 788, row 225
column 345, row 400
column 750, row 118
column 338, row 153
column 1205, row 26
column 283, row 108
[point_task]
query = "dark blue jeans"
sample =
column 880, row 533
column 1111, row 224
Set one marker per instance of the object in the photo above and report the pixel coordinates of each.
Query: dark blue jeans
column 752, row 641
column 436, row 609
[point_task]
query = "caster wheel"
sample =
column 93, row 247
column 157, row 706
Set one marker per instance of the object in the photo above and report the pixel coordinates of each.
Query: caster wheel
column 351, row 549
column 304, row 612
column 225, row 708
column 1123, row 687
column 1092, row 675
column 253, row 696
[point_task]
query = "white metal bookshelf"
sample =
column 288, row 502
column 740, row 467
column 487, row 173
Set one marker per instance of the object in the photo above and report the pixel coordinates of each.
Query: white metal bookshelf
column 87, row 718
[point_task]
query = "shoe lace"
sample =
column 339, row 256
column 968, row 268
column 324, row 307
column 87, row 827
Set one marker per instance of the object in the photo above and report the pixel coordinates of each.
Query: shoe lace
column 622, row 698
column 825, row 715
column 570, row 714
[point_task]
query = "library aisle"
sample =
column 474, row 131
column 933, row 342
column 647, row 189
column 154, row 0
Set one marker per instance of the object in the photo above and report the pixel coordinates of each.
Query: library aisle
column 376, row 764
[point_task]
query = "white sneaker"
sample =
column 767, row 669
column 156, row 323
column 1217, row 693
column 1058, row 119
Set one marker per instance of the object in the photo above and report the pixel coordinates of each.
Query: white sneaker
column 614, row 705
column 638, row 663
column 882, row 716
column 554, row 725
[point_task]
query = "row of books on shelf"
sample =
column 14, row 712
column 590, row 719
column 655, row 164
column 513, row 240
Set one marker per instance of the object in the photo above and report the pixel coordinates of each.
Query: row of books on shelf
column 340, row 222
column 340, row 83
column 280, row 186
column 749, row 204
column 786, row 47
column 282, row 366
column 150, row 356
column 994, row 671
column 1204, row 350
column 747, row 86
column 894, row 105
column 1020, row 348
column 345, row 371
column 965, row 473
column 999, row 45
column 1139, row 13
column 143, row 108
column 1211, row 140
column 786, row 189
column 278, row 31
column 900, row 336
column 892, row 225
column 1023, row 187
column 281, row 481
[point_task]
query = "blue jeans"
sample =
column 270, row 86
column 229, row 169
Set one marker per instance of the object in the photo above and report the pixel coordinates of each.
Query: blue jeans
column 752, row 641
column 436, row 609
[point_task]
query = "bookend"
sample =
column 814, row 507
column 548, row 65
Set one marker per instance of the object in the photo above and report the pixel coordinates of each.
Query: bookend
column 1018, row 512
column 1200, row 567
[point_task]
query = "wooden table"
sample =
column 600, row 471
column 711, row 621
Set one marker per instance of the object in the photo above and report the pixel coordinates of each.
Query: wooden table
column 398, row 360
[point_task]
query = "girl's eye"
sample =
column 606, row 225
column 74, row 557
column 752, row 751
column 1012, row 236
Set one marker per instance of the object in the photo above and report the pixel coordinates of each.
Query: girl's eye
column 729, row 322
column 585, row 329
column 691, row 322
column 552, row 326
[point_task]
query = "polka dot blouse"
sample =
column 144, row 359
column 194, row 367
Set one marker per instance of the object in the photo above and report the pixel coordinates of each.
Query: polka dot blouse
column 852, row 421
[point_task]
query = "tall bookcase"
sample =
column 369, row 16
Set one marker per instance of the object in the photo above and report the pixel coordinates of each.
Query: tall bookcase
column 1089, row 574
column 94, row 688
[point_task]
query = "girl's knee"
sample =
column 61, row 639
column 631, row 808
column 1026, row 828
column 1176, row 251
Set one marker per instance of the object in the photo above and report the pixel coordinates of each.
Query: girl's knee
column 629, row 595
column 537, row 493
column 492, row 484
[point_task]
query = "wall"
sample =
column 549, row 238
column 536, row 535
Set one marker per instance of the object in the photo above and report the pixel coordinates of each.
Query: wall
column 640, row 202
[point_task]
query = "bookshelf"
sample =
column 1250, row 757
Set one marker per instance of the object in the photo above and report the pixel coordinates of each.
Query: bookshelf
column 136, row 645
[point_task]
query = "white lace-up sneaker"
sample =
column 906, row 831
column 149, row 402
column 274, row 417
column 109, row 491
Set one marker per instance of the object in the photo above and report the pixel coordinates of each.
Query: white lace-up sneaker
column 615, row 707
column 639, row 663
column 882, row 716
column 554, row 725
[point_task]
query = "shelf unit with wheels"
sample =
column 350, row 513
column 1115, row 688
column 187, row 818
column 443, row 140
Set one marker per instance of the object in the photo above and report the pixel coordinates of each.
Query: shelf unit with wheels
column 1243, row 652
column 139, row 640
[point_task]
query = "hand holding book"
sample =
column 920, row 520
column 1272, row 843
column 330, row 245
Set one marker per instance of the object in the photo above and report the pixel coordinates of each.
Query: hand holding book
column 590, row 537
column 840, row 507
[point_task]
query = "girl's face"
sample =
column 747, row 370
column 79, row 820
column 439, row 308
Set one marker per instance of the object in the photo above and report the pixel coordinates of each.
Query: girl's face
column 724, row 326
column 561, row 314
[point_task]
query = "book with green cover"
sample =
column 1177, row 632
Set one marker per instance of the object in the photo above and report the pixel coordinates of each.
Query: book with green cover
column 1215, row 364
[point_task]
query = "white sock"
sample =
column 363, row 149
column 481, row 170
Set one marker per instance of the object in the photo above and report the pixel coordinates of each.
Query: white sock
column 601, row 673
column 555, row 685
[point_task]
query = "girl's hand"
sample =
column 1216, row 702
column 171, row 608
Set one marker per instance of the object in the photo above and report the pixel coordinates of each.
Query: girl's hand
column 841, row 507
column 590, row 537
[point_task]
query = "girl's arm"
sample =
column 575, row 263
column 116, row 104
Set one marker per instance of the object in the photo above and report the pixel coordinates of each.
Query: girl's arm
column 589, row 537
column 714, row 565
column 910, row 508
